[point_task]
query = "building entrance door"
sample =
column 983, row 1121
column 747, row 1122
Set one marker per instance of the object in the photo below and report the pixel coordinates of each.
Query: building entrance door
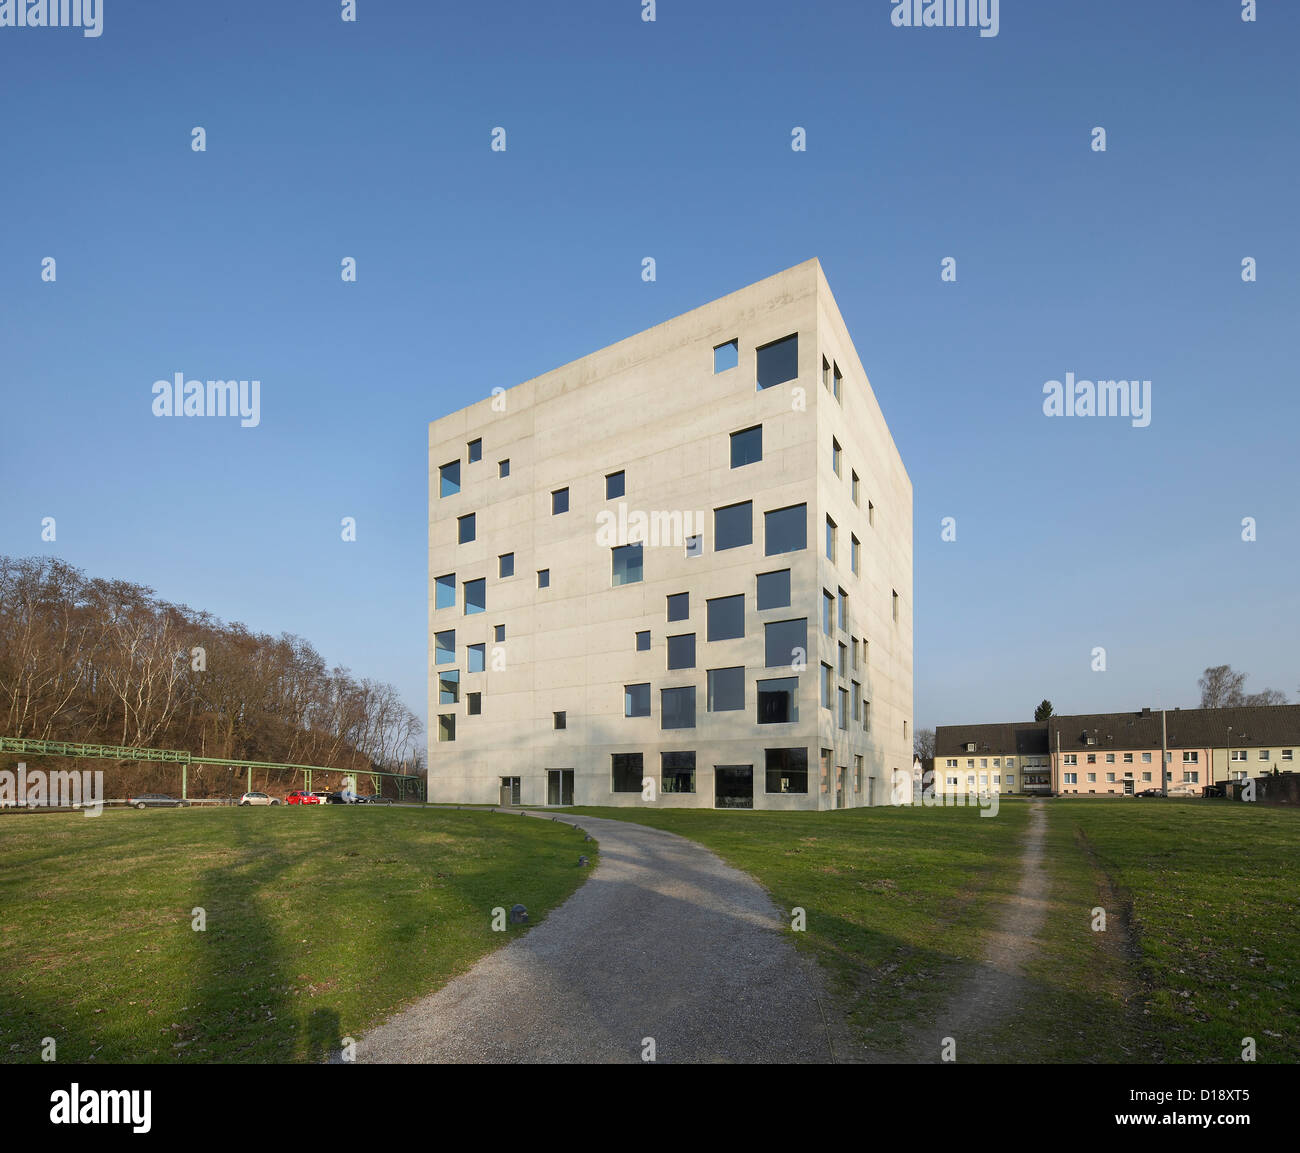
column 559, row 786
column 1128, row 788
column 509, row 791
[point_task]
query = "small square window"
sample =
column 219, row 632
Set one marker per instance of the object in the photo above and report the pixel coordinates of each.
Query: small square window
column 777, row 362
column 726, row 618
column 543, row 578
column 503, row 468
column 681, row 651
column 499, row 633
column 615, row 485
column 677, row 708
column 559, row 720
column 466, row 528
column 559, row 501
column 695, row 545
column 643, row 641
column 475, row 450
column 474, row 704
column 785, row 643
column 506, row 565
column 679, row 606
column 627, row 564
column 747, row 446
column 726, row 689
column 725, row 356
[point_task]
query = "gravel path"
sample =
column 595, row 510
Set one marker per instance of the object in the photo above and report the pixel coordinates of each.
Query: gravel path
column 663, row 941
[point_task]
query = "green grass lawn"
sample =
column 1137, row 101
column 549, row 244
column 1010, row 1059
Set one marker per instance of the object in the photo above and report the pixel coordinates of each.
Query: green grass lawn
column 321, row 922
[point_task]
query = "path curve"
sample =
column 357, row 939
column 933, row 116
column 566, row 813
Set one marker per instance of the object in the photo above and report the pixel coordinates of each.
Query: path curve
column 664, row 940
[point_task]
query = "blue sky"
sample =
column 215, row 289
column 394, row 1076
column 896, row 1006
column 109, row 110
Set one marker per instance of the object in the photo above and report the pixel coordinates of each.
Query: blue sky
column 669, row 139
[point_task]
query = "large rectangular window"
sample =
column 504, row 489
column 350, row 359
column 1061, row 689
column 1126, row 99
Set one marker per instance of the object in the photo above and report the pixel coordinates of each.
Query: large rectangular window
column 475, row 596
column 444, row 647
column 677, row 708
column 726, row 618
column 787, row 770
column 774, row 589
column 681, row 651
column 726, row 689
column 785, row 529
column 733, row 526
column 778, row 701
column 778, row 362
column 449, row 479
column 445, row 597
column 677, row 772
column 627, row 564
column 465, row 526
column 446, row 726
column 636, row 700
column 747, row 446
column 615, row 485
column 625, row 772
column 785, row 643
column 477, row 657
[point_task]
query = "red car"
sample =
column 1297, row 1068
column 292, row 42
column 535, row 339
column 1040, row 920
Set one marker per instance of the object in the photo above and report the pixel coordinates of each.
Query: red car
column 301, row 797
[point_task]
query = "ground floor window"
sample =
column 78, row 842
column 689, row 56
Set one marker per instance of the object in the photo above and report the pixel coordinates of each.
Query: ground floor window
column 626, row 771
column 733, row 786
column 786, row 770
column 677, row 772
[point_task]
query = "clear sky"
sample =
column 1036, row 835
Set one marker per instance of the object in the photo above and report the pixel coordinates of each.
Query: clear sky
column 672, row 139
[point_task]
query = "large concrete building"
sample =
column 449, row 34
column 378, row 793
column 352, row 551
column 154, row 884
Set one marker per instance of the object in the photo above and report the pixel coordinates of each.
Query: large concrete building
column 677, row 571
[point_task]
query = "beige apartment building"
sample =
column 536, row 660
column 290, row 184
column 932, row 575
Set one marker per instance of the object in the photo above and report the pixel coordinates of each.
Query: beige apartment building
column 676, row 572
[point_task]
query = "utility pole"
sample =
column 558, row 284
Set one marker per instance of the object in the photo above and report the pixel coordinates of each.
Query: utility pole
column 1164, row 757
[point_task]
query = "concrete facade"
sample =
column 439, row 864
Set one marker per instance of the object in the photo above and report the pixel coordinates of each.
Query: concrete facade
column 654, row 409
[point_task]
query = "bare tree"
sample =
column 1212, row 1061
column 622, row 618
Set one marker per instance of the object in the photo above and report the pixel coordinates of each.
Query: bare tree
column 1222, row 688
column 923, row 743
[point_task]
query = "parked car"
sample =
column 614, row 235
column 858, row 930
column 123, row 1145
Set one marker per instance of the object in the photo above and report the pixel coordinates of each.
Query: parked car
column 301, row 797
column 156, row 801
column 322, row 796
column 258, row 799
column 1150, row 793
column 375, row 800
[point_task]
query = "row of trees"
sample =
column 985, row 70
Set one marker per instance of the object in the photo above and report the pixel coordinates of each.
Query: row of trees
column 108, row 662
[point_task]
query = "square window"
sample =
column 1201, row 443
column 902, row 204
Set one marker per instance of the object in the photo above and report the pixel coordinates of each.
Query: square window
column 747, row 446
column 778, row 362
column 725, row 356
column 774, row 589
column 677, row 772
column 785, row 643
column 677, row 708
column 559, row 720
column 444, row 647
column 1110, row 758
column 503, row 468
column 499, row 633
column 726, row 689
column 636, row 700
column 559, row 501
column 785, row 529
column 625, row 770
column 695, row 545
column 475, row 596
column 449, row 479
column 681, row 651
column 543, row 578
column 475, row 450
column 786, row 770
column 726, row 618
column 615, row 485
column 446, row 726
column 445, row 596
column 466, row 527
column 1092, row 758
column 643, row 641
column 679, row 606
column 778, row 701
column 477, row 657
column 473, row 704
column 506, row 565
column 836, row 454
column 449, row 687
column 627, row 564
column 733, row 526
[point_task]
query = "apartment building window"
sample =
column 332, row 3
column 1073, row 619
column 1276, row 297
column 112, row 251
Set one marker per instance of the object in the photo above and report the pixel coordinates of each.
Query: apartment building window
column 1011, row 781
column 774, row 589
column 1191, row 778
column 1092, row 758
column 681, row 651
column 1241, row 755
column 559, row 720
column 636, row 700
column 499, row 633
column 997, row 762
column 785, row 643
column 786, row 770
column 1146, row 758
column 950, row 763
column 446, row 726
column 828, row 613
column 725, row 617
column 449, row 687
column 445, row 594
column 853, row 553
column 830, row 540
column 726, row 689
column 449, row 479
column 473, row 704
column 1071, row 758
column 970, row 762
column 785, row 529
column 677, row 708
column 559, row 501
column 1288, row 754
column 778, row 701
column 747, row 446
column 506, row 565
column 777, row 362
column 1071, row 778
column 476, row 655
column 1263, row 755
column 465, row 528
column 828, row 686
column 984, row 762
column 1110, row 758
column 733, row 526
column 1128, row 758
column 643, row 641
column 1110, row 778
column 1190, row 757
column 1011, row 762
column 677, row 772
column 475, row 596
column 843, row 620
column 475, row 450
column 626, row 564
column 444, row 647
column 836, row 454
column 615, row 485
column 543, row 578
column 725, row 356
column 625, row 772
column 503, row 468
